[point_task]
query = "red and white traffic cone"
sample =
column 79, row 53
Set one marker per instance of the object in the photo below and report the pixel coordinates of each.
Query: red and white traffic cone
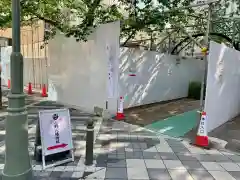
column 29, row 88
column 202, row 137
column 9, row 84
column 44, row 91
column 120, row 115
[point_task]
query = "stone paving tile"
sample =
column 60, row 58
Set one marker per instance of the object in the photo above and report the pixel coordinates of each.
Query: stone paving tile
column 132, row 163
column 178, row 174
column 212, row 166
column 234, row 158
column 229, row 166
column 168, row 156
column 212, row 157
column 137, row 173
column 174, row 164
column 221, row 175
column 117, row 163
column 186, row 157
column 98, row 174
column 192, row 165
column 158, row 174
column 134, row 155
column 201, row 175
column 151, row 155
column 235, row 174
column 116, row 173
column 154, row 163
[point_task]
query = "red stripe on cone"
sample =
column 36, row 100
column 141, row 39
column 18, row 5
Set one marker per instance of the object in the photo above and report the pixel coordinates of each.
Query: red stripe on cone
column 120, row 114
column 202, row 141
column 30, row 88
column 44, row 91
column 9, row 84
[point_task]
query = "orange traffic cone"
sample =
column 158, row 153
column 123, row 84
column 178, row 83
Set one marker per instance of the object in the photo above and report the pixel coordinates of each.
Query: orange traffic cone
column 120, row 115
column 9, row 84
column 202, row 137
column 30, row 88
column 44, row 91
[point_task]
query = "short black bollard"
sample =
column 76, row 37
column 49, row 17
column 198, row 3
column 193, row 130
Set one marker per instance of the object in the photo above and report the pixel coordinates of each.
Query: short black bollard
column 89, row 142
column 37, row 148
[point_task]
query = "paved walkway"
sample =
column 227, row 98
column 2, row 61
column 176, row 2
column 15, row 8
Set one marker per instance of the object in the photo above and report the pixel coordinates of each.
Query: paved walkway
column 127, row 152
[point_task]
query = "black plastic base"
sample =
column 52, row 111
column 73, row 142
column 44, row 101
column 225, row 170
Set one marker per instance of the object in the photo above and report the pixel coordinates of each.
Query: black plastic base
column 50, row 158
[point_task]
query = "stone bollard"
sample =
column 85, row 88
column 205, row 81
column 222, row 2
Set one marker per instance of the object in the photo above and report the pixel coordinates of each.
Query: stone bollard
column 89, row 142
column 38, row 144
column 98, row 111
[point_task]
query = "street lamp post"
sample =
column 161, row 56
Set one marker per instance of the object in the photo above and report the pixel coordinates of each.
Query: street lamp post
column 17, row 161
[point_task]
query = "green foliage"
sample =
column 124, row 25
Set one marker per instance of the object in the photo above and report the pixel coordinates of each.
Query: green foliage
column 194, row 90
column 73, row 17
column 78, row 18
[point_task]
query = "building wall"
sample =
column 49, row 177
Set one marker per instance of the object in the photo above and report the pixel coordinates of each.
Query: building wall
column 34, row 52
column 32, row 38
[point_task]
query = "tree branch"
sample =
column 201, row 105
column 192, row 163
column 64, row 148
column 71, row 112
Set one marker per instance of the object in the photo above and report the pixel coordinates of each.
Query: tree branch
column 89, row 19
column 129, row 37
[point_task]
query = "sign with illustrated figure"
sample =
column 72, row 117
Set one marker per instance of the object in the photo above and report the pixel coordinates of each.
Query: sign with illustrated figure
column 56, row 133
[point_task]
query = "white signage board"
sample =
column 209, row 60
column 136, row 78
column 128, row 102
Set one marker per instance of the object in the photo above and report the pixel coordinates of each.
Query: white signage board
column 56, row 133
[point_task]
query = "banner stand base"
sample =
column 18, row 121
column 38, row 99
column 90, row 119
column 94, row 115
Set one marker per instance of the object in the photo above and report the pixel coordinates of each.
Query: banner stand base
column 53, row 159
column 57, row 159
column 50, row 158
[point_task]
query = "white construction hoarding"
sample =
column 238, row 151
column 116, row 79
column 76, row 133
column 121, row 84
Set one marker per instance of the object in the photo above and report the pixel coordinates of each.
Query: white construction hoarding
column 78, row 71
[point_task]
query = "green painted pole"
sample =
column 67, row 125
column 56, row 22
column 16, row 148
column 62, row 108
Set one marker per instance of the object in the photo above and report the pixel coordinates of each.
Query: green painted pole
column 17, row 160
column 203, row 84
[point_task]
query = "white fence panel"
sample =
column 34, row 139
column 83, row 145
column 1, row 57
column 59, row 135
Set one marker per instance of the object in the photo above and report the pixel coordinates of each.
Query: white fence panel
column 77, row 71
column 223, row 85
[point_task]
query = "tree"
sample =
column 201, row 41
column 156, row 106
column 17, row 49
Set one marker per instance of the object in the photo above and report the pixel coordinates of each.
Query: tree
column 140, row 15
column 89, row 13
column 79, row 17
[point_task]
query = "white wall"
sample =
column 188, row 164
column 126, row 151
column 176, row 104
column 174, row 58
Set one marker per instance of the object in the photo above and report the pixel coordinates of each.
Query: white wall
column 158, row 76
column 77, row 71
column 223, row 85
column 5, row 63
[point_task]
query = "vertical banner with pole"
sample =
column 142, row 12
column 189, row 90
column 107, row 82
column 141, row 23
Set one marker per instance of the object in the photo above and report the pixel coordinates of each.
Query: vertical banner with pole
column 204, row 51
column 110, row 64
column 112, row 75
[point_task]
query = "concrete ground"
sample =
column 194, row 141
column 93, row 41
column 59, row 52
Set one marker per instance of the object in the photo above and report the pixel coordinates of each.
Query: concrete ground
column 173, row 118
column 129, row 152
column 150, row 113
column 229, row 132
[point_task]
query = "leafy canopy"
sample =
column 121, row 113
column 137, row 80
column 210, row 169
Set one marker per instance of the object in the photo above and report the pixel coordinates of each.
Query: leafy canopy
column 79, row 17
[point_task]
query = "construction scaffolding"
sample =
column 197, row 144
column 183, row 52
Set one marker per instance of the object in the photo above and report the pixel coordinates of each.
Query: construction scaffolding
column 34, row 53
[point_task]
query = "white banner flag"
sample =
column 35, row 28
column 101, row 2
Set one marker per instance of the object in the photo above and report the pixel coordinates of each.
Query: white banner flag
column 110, row 81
